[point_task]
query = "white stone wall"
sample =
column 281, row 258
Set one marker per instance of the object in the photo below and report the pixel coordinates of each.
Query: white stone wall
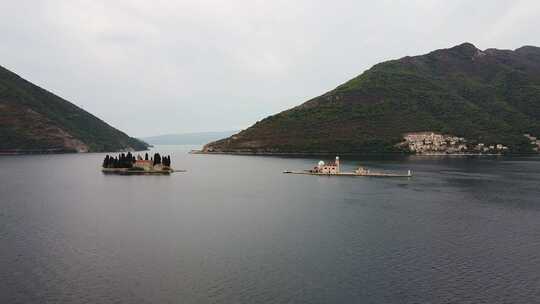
column 328, row 170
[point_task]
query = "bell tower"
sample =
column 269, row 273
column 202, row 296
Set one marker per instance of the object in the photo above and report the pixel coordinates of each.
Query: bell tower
column 337, row 165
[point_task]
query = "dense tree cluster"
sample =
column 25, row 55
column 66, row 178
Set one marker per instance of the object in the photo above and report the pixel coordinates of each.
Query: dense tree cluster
column 127, row 160
column 121, row 161
column 165, row 160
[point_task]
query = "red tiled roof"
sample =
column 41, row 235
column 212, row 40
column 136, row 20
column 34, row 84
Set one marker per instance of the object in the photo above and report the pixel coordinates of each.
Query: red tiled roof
column 139, row 161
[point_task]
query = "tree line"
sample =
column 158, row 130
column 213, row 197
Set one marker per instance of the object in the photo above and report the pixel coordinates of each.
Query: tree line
column 124, row 160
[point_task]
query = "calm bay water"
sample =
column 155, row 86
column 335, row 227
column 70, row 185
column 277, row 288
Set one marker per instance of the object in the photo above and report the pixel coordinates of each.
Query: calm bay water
column 234, row 229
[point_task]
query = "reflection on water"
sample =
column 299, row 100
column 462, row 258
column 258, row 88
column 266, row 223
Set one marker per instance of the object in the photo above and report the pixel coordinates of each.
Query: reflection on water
column 234, row 229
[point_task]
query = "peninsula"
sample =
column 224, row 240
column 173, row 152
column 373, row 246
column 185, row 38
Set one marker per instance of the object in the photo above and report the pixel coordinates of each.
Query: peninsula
column 460, row 100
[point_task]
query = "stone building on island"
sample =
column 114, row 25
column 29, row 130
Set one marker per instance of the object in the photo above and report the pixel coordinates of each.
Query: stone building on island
column 146, row 165
column 330, row 168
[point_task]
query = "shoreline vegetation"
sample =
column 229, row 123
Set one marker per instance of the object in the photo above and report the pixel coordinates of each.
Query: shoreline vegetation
column 428, row 143
column 262, row 153
column 37, row 151
column 129, row 164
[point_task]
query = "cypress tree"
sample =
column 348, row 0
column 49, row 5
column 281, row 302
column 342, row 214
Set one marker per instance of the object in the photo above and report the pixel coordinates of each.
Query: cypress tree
column 157, row 159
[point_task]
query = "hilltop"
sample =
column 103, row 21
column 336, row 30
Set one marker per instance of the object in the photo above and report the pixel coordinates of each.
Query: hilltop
column 490, row 96
column 34, row 120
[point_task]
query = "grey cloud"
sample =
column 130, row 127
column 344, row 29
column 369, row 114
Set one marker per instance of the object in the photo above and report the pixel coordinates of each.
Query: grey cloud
column 220, row 65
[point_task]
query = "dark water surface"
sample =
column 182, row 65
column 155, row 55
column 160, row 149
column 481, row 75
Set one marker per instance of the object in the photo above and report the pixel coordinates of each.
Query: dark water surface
column 234, row 229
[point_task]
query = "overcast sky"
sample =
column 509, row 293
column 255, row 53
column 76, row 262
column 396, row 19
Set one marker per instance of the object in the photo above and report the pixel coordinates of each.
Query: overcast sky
column 155, row 67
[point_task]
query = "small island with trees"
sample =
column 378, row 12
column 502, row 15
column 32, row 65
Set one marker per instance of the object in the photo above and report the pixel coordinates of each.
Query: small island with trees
column 129, row 164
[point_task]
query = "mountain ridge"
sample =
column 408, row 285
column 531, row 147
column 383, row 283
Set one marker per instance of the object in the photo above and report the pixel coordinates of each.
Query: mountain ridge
column 34, row 120
column 491, row 96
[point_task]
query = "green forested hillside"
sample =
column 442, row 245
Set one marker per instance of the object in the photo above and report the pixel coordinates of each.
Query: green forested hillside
column 35, row 120
column 489, row 96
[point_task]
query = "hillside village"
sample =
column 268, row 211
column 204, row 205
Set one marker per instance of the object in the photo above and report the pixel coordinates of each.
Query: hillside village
column 534, row 141
column 436, row 143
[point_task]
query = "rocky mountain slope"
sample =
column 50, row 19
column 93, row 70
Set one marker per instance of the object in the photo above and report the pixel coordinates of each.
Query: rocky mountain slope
column 492, row 96
column 34, row 120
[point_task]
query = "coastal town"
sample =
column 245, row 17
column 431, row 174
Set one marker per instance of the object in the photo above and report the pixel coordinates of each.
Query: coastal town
column 432, row 143
column 535, row 142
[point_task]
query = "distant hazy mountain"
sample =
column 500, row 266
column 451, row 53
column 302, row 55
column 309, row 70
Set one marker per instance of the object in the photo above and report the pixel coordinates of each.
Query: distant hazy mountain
column 34, row 120
column 492, row 96
column 199, row 138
